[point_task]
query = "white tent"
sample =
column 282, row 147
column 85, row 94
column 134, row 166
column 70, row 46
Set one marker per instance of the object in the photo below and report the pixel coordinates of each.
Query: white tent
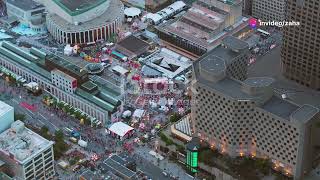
column 120, row 129
column 138, row 113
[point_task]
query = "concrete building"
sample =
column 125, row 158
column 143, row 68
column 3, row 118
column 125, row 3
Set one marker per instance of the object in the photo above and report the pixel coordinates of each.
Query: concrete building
column 246, row 118
column 83, row 21
column 300, row 55
column 203, row 26
column 6, row 116
column 35, row 66
column 29, row 13
column 267, row 10
column 27, row 154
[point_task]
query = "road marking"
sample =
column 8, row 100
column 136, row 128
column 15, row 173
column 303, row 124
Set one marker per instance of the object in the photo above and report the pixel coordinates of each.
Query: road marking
column 15, row 101
column 55, row 127
column 43, row 116
column 30, row 111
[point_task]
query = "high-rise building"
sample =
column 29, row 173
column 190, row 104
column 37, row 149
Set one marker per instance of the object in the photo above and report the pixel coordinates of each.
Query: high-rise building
column 6, row 116
column 267, row 10
column 246, row 118
column 300, row 55
column 28, row 155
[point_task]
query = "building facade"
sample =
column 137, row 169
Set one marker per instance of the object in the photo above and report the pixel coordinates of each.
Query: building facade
column 267, row 10
column 28, row 155
column 63, row 81
column 6, row 116
column 31, row 72
column 300, row 55
column 246, row 118
column 100, row 20
column 247, row 7
column 29, row 13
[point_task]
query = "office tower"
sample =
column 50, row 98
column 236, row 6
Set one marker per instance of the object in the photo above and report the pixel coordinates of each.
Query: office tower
column 267, row 10
column 246, row 118
column 6, row 116
column 300, row 55
column 28, row 155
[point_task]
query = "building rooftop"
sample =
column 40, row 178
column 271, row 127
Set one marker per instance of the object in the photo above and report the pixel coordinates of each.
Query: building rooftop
column 95, row 100
column 115, row 10
column 73, row 7
column 258, row 81
column 133, row 44
column 61, row 62
column 17, row 55
column 212, row 64
column 169, row 63
column 89, row 175
column 269, row 65
column 57, row 71
column 203, row 25
column 21, row 143
column 280, row 107
column 4, row 108
column 117, row 164
column 25, row 5
column 305, row 113
column 235, row 44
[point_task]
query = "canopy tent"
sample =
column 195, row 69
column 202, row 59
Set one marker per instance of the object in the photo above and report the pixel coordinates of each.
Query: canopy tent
column 138, row 113
column 132, row 12
column 120, row 130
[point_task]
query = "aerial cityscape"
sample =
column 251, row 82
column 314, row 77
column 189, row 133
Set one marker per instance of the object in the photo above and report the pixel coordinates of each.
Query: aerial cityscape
column 159, row 89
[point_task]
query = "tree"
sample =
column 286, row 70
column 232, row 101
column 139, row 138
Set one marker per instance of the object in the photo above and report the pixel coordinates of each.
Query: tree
column 44, row 131
column 59, row 136
column 20, row 117
column 175, row 117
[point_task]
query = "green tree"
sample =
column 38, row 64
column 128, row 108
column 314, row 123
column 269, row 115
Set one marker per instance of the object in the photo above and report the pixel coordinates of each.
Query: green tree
column 175, row 117
column 59, row 136
column 44, row 132
column 20, row 117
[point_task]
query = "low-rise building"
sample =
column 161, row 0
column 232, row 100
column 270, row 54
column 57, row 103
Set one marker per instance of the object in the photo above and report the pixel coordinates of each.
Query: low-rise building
column 28, row 12
column 27, row 154
column 35, row 66
column 203, row 26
